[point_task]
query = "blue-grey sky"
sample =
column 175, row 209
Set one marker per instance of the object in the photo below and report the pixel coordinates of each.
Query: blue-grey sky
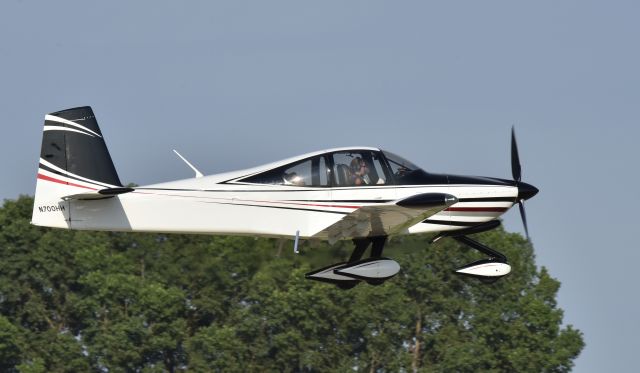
column 238, row 83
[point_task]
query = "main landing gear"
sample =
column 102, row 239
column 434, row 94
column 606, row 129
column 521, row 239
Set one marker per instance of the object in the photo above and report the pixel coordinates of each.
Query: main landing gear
column 488, row 270
column 374, row 270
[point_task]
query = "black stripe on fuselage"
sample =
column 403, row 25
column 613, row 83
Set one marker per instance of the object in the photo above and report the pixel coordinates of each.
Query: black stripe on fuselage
column 252, row 205
column 479, row 199
column 488, row 199
column 277, row 207
column 454, row 223
column 342, row 200
column 281, row 207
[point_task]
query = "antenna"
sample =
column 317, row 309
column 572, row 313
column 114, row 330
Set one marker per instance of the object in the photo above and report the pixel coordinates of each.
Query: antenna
column 198, row 173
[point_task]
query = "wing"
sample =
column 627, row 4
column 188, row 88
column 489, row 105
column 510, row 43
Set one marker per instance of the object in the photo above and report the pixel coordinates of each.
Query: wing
column 388, row 218
column 100, row 194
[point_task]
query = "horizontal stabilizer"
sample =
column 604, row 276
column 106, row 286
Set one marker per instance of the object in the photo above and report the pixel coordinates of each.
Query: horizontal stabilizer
column 100, row 194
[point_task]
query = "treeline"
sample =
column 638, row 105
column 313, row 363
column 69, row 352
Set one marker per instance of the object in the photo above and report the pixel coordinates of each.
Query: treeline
column 101, row 301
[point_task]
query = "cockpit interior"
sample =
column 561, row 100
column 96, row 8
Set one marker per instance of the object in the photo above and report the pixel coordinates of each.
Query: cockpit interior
column 345, row 168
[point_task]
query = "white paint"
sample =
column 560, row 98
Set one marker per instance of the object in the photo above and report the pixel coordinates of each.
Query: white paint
column 329, row 274
column 56, row 168
column 376, row 269
column 198, row 173
column 491, row 269
column 54, row 118
column 58, row 128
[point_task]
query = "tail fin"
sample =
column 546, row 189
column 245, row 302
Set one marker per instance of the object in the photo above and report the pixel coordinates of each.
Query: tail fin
column 73, row 159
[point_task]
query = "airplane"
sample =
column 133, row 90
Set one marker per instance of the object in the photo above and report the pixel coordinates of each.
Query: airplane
column 362, row 194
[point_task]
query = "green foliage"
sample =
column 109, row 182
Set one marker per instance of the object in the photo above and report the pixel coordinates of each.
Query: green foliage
column 9, row 344
column 98, row 301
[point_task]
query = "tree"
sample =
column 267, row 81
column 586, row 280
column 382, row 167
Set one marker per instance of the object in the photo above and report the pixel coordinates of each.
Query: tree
column 462, row 324
column 80, row 301
column 37, row 280
column 10, row 342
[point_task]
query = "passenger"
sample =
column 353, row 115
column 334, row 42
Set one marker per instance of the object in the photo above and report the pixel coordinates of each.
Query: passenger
column 359, row 172
column 293, row 179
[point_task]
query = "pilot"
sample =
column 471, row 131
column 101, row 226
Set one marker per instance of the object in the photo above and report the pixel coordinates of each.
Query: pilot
column 359, row 172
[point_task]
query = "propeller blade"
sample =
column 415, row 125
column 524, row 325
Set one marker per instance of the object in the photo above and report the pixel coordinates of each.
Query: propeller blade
column 516, row 170
column 523, row 215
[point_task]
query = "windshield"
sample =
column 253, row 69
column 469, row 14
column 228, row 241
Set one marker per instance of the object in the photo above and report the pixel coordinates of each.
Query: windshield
column 407, row 173
column 399, row 165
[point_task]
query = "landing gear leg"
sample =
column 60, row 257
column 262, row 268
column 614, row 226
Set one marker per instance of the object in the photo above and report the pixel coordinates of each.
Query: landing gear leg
column 361, row 245
column 488, row 270
column 377, row 245
column 493, row 254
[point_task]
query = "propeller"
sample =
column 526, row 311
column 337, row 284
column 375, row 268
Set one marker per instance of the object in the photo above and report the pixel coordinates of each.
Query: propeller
column 525, row 191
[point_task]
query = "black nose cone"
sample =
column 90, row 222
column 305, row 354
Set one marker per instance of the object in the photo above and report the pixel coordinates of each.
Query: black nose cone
column 526, row 191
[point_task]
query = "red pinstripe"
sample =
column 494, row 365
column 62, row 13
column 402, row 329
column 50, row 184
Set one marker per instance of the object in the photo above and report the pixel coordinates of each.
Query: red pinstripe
column 48, row 178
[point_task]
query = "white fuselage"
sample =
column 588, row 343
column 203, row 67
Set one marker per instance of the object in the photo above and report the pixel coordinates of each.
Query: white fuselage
column 267, row 210
column 225, row 204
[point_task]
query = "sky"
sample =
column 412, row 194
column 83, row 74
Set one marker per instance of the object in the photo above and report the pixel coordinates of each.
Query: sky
column 236, row 84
